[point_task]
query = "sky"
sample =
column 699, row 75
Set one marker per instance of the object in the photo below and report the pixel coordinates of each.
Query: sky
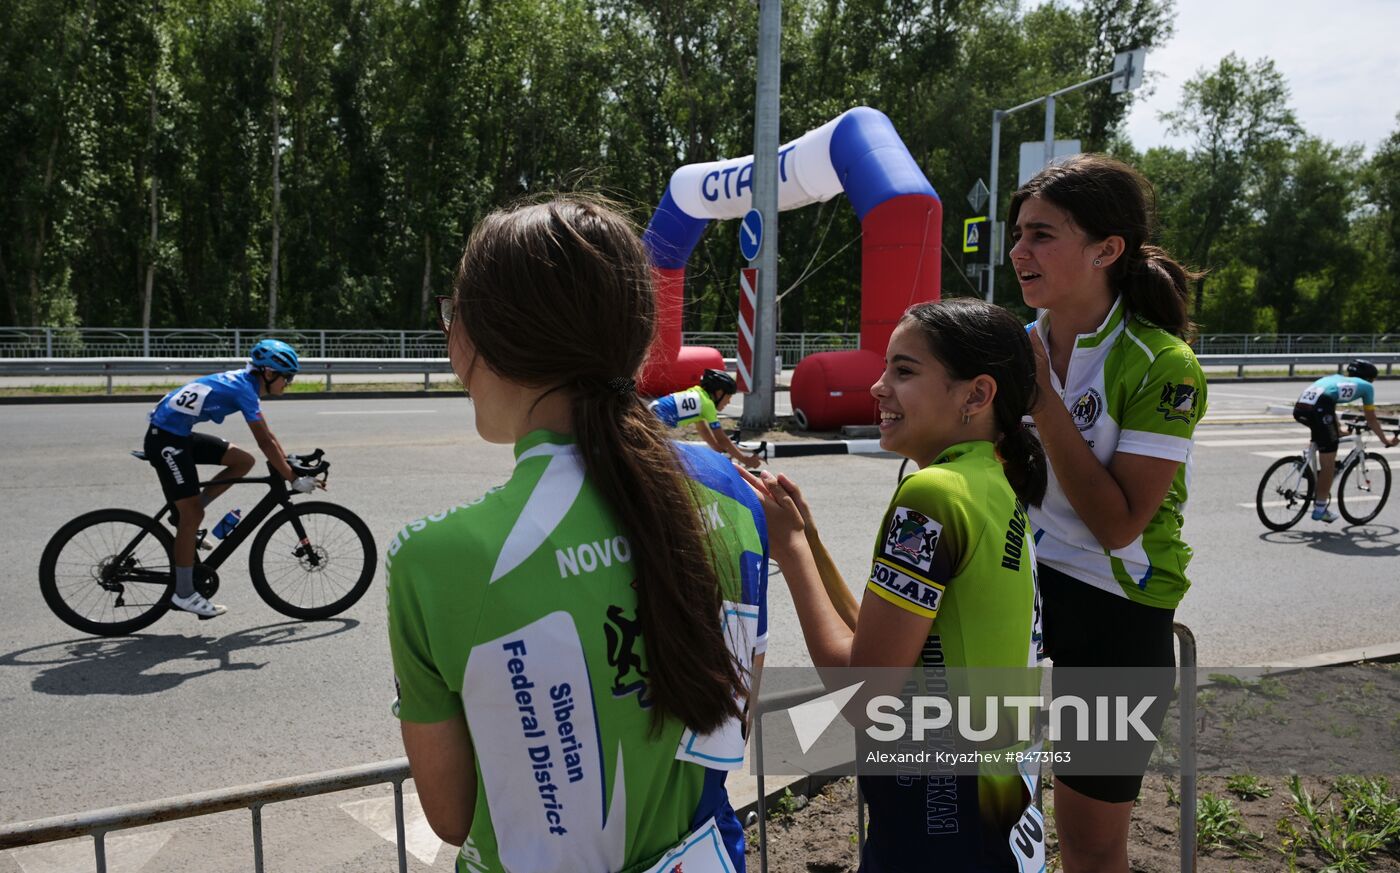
column 1341, row 60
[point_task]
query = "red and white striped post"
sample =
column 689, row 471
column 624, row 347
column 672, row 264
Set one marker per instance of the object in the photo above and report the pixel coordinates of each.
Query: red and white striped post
column 748, row 305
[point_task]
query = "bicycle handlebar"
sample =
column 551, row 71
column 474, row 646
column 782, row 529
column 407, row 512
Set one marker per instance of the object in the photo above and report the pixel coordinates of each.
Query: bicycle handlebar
column 1355, row 423
column 309, row 464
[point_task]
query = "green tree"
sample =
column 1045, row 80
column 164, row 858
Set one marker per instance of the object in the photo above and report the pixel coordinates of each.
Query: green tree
column 1236, row 113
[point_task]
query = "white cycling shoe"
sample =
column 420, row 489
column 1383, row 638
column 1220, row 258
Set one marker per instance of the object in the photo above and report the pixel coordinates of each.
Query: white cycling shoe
column 198, row 604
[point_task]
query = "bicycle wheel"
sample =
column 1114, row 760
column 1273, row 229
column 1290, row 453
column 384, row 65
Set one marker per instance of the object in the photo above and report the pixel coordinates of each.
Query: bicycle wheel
column 1285, row 493
column 108, row 572
column 1364, row 488
column 312, row 560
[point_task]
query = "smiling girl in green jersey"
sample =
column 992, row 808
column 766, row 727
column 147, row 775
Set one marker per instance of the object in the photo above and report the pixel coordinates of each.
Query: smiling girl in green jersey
column 952, row 579
column 1121, row 394
column 574, row 651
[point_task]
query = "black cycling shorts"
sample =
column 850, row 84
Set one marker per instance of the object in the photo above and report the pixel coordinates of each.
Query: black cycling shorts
column 1088, row 627
column 1321, row 420
column 175, row 457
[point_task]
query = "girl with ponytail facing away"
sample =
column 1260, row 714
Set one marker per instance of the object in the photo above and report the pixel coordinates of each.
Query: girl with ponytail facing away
column 952, row 581
column 575, row 650
column 1120, row 396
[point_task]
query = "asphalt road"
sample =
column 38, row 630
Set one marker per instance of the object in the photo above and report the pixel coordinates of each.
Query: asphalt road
column 188, row 706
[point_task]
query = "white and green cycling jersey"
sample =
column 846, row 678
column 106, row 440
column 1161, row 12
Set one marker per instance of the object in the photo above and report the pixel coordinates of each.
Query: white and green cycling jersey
column 1133, row 388
column 519, row 612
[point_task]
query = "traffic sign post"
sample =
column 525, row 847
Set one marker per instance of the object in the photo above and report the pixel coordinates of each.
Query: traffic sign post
column 748, row 305
column 974, row 234
column 977, row 197
column 751, row 235
column 759, row 403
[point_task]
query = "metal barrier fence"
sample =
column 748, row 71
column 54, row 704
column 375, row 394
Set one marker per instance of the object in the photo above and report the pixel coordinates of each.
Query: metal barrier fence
column 792, row 347
column 254, row 797
column 97, row 342
column 1296, row 343
column 74, row 342
column 328, row 368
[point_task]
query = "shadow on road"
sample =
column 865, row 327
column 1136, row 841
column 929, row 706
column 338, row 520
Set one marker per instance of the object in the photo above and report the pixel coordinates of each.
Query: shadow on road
column 148, row 664
column 1357, row 540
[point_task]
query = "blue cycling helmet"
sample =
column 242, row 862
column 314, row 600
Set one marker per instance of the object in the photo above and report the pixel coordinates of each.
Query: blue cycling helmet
column 275, row 355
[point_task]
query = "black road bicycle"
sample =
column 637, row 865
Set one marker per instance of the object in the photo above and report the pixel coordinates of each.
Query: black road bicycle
column 1363, row 480
column 109, row 572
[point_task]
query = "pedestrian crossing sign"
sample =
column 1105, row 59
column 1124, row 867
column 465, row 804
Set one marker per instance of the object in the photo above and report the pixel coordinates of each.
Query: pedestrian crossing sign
column 974, row 230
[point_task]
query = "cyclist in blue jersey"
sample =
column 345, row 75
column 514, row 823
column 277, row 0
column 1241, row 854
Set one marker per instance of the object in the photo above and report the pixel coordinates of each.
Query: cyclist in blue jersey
column 175, row 449
column 1317, row 409
column 700, row 406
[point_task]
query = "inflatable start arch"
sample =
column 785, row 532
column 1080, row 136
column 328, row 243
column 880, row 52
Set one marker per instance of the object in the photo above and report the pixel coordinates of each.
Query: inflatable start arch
column 857, row 153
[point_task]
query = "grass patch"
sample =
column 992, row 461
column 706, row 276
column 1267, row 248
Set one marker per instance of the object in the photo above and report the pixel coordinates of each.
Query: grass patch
column 1247, row 786
column 1219, row 826
column 1369, row 821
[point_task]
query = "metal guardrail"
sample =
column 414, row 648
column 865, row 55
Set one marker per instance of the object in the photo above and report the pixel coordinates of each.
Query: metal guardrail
column 1296, row 343
column 101, row 342
column 49, row 342
column 329, row 367
column 95, row 342
column 1293, row 361
column 99, row 823
column 175, row 368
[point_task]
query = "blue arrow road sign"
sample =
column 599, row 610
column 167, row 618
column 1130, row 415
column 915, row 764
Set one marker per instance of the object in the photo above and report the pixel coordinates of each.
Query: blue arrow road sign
column 751, row 234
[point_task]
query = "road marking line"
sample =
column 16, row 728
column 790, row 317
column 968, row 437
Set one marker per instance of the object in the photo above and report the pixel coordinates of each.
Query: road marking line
column 1297, row 433
column 1369, row 498
column 381, row 412
column 377, row 814
column 1261, row 442
column 1217, row 393
column 1389, row 453
column 126, row 853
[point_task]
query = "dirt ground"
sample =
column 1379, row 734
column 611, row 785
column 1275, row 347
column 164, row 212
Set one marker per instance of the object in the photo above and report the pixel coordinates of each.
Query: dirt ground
column 1349, row 714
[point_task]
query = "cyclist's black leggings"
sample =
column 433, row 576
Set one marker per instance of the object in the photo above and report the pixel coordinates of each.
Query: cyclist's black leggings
column 1106, row 635
column 1321, row 421
column 175, row 456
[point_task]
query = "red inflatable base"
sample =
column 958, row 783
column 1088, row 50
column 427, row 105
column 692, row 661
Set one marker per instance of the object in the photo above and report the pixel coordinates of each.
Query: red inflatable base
column 682, row 373
column 832, row 389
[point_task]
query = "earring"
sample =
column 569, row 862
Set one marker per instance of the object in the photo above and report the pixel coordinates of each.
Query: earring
column 1098, row 262
column 965, row 417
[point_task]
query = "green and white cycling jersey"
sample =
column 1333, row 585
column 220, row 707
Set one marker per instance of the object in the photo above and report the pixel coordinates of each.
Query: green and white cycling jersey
column 1134, row 388
column 691, row 406
column 518, row 611
column 955, row 547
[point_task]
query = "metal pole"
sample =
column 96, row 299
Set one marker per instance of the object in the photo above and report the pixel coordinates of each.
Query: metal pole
column 762, row 792
column 1049, row 130
column 1187, row 699
column 256, row 810
column 48, row 342
column 99, row 841
column 399, row 827
column 758, row 406
column 992, row 214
